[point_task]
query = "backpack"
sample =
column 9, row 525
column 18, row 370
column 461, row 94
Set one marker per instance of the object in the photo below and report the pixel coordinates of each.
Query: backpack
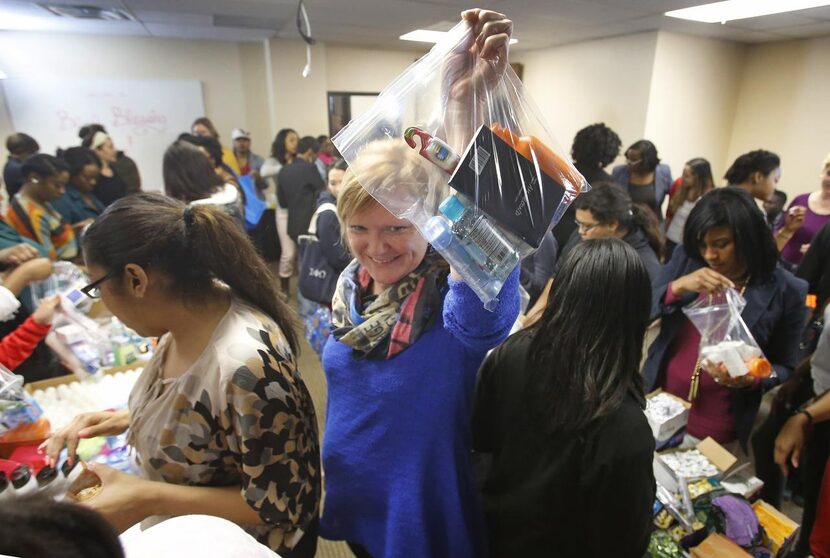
column 317, row 278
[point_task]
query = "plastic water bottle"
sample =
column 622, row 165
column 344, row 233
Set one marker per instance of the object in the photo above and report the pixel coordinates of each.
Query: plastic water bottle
column 481, row 238
column 438, row 232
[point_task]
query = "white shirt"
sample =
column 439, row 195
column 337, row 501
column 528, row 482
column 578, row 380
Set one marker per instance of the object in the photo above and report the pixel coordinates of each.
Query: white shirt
column 9, row 305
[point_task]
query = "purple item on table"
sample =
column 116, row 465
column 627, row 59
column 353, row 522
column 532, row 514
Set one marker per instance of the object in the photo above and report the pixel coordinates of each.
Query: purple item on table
column 740, row 522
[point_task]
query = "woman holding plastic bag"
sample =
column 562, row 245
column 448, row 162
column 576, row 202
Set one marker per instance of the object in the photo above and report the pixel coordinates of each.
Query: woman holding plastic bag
column 401, row 363
column 726, row 245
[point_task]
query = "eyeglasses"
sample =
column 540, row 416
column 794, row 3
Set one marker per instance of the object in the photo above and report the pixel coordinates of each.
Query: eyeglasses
column 93, row 290
column 583, row 227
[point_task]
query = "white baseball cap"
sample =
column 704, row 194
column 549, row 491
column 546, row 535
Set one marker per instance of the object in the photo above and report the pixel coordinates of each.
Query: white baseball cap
column 239, row 133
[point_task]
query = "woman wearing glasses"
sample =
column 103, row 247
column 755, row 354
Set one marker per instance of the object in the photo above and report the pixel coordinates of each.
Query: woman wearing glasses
column 604, row 211
column 220, row 420
column 607, row 211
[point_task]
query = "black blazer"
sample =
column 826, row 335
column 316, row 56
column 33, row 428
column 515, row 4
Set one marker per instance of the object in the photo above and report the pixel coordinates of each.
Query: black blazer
column 775, row 315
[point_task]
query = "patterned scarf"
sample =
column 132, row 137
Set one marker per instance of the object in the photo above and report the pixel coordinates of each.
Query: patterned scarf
column 396, row 318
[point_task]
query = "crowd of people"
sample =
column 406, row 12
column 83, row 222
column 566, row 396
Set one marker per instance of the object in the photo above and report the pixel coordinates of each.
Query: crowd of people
column 444, row 434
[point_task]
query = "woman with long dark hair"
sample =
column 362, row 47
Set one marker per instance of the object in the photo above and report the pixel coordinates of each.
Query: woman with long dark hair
column 283, row 151
column 189, row 177
column 726, row 244
column 696, row 181
column 559, row 408
column 220, row 419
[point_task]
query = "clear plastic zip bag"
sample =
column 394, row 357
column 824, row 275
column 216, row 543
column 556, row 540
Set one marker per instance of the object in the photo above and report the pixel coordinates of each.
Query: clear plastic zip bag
column 456, row 146
column 726, row 343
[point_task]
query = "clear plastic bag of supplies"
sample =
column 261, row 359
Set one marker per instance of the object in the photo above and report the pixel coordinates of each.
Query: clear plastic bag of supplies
column 17, row 409
column 66, row 280
column 456, row 146
column 725, row 340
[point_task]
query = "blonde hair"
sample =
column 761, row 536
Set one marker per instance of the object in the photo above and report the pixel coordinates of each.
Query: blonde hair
column 409, row 186
column 826, row 161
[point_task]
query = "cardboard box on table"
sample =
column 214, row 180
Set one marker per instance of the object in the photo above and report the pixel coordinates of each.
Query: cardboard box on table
column 713, row 451
column 662, row 431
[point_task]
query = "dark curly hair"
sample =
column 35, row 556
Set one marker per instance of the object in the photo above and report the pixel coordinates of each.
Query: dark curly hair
column 595, row 146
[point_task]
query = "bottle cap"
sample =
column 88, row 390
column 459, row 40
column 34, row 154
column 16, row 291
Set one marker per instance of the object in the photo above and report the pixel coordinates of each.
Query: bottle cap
column 452, row 207
column 21, row 476
column 437, row 232
column 46, row 475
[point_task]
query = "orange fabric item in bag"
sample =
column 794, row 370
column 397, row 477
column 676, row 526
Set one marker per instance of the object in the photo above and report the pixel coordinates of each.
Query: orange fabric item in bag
column 551, row 164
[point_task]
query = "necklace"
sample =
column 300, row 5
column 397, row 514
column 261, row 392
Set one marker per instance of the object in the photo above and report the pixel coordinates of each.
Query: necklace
column 695, row 383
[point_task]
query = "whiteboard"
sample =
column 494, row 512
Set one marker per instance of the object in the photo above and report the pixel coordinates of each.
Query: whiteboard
column 142, row 117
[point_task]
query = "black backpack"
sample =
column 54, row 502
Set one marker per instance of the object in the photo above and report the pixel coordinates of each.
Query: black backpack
column 318, row 279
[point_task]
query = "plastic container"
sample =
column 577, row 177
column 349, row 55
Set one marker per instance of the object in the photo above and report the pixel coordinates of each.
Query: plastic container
column 438, row 232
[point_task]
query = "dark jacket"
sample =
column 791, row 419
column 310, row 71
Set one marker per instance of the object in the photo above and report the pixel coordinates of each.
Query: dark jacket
column 775, row 315
column 127, row 170
column 815, row 266
column 328, row 233
column 110, row 189
column 298, row 186
column 586, row 493
column 74, row 209
column 538, row 267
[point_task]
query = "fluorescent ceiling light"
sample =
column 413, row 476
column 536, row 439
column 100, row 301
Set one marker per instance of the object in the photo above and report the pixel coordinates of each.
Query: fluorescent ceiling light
column 429, row 36
column 721, row 12
column 15, row 21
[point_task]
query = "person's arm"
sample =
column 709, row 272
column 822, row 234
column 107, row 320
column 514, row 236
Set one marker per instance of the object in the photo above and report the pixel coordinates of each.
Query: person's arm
column 793, row 219
column 476, row 328
column 793, row 435
column 24, row 274
column 544, row 261
column 328, row 233
column 18, row 345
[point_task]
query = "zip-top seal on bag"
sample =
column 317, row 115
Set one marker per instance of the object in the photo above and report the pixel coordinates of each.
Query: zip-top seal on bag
column 492, row 180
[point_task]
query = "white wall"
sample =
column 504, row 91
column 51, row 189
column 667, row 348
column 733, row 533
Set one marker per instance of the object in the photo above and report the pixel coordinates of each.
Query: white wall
column 597, row 81
column 216, row 64
column 693, row 98
column 784, row 106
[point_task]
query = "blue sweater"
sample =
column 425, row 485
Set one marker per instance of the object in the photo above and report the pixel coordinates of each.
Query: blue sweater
column 396, row 452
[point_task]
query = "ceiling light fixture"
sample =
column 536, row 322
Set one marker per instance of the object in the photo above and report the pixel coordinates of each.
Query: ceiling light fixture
column 430, row 36
column 730, row 10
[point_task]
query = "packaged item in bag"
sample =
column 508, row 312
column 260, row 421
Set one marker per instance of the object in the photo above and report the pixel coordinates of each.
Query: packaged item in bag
column 725, row 340
column 18, row 411
column 456, row 146
column 66, row 280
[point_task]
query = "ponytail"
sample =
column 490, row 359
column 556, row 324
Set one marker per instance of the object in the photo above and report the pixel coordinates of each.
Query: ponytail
column 219, row 244
column 192, row 245
column 644, row 218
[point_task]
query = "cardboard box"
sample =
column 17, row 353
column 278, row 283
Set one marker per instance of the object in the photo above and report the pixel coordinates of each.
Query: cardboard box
column 780, row 531
column 31, row 387
column 713, row 451
column 718, row 546
column 664, row 430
